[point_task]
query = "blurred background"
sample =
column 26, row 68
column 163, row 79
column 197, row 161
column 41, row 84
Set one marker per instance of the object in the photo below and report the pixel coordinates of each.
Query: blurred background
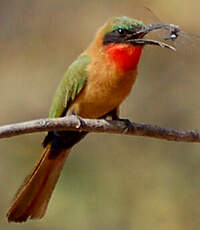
column 109, row 181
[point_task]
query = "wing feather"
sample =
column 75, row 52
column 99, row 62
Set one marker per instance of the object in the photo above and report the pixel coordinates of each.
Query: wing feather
column 70, row 86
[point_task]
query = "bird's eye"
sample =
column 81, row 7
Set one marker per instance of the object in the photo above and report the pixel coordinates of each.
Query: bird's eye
column 121, row 31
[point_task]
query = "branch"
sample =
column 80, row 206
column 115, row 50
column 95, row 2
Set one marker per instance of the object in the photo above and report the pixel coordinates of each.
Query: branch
column 99, row 126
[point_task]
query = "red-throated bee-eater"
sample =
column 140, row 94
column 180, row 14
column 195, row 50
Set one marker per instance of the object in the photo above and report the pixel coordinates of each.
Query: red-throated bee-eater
column 94, row 86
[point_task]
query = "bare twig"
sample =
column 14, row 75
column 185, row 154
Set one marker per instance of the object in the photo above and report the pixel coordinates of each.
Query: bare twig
column 99, row 126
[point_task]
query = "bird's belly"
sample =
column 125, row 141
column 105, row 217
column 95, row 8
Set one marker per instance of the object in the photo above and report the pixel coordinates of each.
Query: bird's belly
column 100, row 97
column 95, row 107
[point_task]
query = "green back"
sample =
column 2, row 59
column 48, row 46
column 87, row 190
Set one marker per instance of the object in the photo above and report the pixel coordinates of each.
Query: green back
column 70, row 86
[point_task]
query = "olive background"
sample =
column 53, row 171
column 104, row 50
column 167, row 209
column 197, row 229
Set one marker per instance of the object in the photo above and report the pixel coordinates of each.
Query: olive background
column 109, row 181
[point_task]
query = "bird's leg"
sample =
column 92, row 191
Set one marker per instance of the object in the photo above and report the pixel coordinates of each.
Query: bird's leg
column 63, row 133
column 80, row 121
column 114, row 115
column 127, row 123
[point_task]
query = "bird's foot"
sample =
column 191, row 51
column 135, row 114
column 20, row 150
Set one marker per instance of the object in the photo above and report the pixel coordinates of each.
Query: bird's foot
column 79, row 119
column 127, row 123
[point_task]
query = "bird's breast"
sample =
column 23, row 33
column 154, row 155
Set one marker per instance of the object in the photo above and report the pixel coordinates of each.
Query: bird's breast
column 106, row 88
column 125, row 56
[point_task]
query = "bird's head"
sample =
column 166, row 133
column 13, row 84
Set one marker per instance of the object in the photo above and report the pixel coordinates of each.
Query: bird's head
column 123, row 39
column 125, row 30
column 122, row 30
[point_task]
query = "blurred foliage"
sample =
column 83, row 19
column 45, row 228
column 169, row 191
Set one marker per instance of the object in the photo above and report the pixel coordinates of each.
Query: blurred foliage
column 109, row 182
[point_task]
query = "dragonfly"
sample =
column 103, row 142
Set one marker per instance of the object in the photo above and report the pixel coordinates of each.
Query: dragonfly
column 171, row 32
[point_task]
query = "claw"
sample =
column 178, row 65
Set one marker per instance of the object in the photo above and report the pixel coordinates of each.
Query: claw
column 128, row 124
column 80, row 121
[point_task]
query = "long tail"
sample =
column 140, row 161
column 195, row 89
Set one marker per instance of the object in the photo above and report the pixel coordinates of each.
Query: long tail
column 33, row 196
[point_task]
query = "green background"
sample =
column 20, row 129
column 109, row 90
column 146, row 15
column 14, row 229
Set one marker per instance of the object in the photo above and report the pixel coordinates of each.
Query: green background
column 110, row 182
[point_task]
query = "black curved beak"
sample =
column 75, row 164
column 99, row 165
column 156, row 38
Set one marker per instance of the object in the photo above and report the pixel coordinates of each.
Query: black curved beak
column 137, row 38
column 152, row 42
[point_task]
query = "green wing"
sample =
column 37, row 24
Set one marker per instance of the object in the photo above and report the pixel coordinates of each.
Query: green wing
column 70, row 86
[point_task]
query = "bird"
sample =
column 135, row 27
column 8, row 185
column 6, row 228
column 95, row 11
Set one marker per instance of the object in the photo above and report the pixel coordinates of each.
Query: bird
column 94, row 86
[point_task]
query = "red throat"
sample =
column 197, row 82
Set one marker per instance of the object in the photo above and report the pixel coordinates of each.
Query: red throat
column 125, row 56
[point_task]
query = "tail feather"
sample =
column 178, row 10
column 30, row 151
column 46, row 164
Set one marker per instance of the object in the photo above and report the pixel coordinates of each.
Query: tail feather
column 33, row 196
